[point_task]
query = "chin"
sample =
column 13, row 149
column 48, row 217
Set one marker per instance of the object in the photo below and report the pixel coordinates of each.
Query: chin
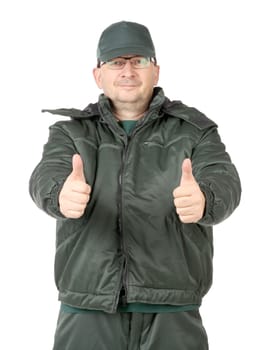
column 128, row 96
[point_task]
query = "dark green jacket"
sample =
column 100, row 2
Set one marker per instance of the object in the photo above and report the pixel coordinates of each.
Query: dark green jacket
column 130, row 235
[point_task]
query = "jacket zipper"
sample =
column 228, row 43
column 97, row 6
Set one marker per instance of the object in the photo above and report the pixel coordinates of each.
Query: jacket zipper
column 121, row 295
column 122, row 290
column 123, row 286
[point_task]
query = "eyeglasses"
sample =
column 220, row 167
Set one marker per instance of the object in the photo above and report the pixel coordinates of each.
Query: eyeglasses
column 137, row 62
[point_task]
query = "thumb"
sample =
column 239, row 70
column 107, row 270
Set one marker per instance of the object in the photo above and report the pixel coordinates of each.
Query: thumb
column 187, row 173
column 78, row 168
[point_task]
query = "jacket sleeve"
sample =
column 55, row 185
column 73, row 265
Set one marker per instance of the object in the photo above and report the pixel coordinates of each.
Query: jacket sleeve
column 50, row 174
column 217, row 177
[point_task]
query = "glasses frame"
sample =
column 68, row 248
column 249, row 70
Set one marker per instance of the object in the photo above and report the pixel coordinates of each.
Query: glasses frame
column 101, row 63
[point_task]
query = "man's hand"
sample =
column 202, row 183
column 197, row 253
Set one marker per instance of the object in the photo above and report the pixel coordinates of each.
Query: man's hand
column 188, row 198
column 75, row 193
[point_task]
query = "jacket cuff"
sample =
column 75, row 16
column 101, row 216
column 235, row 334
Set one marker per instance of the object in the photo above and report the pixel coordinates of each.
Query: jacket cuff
column 208, row 217
column 54, row 209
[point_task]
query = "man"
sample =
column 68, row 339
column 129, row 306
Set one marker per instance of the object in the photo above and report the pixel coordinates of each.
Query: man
column 136, row 182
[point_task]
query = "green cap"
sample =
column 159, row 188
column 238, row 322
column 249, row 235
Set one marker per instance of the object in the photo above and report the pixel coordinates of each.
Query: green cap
column 125, row 38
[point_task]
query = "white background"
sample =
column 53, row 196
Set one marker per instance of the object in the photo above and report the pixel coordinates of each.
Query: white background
column 210, row 58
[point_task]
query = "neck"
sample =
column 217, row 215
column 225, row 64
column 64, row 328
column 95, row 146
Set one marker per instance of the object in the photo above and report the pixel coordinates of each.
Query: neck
column 129, row 111
column 128, row 116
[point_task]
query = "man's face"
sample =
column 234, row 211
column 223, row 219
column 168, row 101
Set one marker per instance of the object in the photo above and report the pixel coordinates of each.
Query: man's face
column 127, row 84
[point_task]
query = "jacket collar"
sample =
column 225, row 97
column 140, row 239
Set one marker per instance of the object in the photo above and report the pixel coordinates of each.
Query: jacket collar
column 105, row 107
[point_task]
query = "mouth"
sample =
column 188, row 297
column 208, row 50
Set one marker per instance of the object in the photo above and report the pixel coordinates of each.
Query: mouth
column 128, row 84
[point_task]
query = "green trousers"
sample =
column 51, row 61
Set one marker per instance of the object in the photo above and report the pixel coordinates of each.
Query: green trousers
column 130, row 331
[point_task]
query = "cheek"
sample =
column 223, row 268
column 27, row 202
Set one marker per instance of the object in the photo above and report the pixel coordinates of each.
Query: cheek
column 106, row 82
column 107, row 85
column 102, row 80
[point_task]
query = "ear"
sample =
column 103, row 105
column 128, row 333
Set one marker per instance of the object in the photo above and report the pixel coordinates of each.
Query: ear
column 97, row 77
column 156, row 74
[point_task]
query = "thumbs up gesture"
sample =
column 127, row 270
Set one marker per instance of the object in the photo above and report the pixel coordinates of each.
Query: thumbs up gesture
column 188, row 198
column 75, row 193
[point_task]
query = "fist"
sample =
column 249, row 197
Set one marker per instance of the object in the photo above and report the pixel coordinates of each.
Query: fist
column 189, row 200
column 75, row 193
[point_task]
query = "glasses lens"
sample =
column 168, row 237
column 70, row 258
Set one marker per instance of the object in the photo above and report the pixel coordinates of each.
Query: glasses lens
column 116, row 63
column 140, row 62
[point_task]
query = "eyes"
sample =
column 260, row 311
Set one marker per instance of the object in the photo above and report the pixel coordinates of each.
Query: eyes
column 137, row 62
